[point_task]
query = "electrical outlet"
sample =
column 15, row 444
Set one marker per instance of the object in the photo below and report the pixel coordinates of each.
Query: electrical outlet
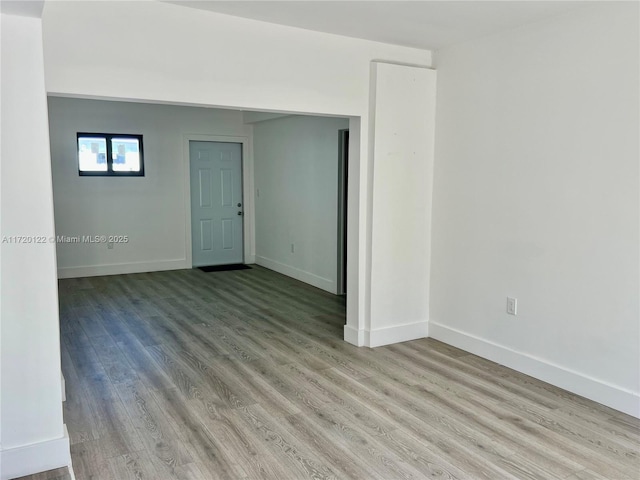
column 512, row 306
column 110, row 245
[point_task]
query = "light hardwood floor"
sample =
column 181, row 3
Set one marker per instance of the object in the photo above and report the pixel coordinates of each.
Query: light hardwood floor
column 244, row 375
column 57, row 474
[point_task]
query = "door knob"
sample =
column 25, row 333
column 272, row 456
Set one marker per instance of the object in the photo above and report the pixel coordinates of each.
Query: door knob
column 239, row 204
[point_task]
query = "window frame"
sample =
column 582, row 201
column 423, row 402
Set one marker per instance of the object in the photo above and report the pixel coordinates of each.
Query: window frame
column 109, row 172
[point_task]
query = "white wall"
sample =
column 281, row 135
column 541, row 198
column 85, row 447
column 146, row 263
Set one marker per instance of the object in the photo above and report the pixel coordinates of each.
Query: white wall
column 31, row 428
column 403, row 131
column 536, row 197
column 296, row 175
column 164, row 52
column 150, row 210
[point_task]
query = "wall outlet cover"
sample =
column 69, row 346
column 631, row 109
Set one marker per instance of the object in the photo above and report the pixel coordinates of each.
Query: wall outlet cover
column 512, row 306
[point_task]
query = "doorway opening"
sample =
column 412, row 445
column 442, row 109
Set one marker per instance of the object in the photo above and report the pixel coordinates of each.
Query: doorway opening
column 293, row 212
column 343, row 185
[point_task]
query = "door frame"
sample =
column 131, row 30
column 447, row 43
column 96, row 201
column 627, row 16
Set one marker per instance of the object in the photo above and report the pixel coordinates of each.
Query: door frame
column 248, row 224
column 343, row 174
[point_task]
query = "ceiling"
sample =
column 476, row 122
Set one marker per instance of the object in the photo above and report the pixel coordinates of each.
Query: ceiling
column 24, row 8
column 422, row 24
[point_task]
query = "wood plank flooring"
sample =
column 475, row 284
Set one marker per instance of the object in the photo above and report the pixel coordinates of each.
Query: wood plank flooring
column 244, row 375
column 57, row 474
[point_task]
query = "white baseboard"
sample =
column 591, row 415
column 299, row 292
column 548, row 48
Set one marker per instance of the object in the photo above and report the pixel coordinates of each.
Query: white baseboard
column 353, row 336
column 306, row 277
column 397, row 334
column 121, row 268
column 35, row 458
column 602, row 392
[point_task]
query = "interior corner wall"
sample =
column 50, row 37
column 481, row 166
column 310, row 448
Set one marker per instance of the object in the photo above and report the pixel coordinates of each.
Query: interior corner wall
column 31, row 423
column 149, row 210
column 537, row 197
column 296, row 194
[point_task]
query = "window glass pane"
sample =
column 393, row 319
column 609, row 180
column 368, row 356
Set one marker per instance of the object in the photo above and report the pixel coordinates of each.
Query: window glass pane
column 92, row 154
column 126, row 154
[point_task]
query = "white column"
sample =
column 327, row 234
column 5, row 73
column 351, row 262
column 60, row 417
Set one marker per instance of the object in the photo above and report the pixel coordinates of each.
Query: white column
column 31, row 425
column 403, row 151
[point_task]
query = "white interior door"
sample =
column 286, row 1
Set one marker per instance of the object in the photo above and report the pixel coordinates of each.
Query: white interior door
column 216, row 203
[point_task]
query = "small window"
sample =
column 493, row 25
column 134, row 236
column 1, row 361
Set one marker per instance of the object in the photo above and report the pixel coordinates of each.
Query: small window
column 109, row 154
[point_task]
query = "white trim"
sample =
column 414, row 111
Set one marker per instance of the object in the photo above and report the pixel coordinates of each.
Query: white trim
column 248, row 209
column 259, row 116
column 35, row 458
column 310, row 278
column 404, row 64
column 64, row 388
column 356, row 227
column 121, row 268
column 397, row 334
column 602, row 392
column 353, row 336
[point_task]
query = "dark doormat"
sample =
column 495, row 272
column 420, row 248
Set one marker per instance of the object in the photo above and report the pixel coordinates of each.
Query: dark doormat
column 225, row 268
